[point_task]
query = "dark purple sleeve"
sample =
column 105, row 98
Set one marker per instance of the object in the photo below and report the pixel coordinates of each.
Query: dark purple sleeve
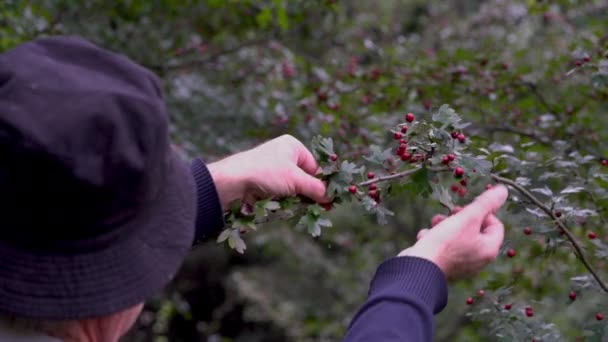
column 404, row 295
column 209, row 216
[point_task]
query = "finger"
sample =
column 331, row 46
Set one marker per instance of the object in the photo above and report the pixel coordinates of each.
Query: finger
column 455, row 210
column 305, row 160
column 487, row 203
column 492, row 236
column 421, row 233
column 436, row 219
column 309, row 186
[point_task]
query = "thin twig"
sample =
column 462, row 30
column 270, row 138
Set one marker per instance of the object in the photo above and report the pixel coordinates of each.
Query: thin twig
column 548, row 211
column 400, row 175
column 211, row 57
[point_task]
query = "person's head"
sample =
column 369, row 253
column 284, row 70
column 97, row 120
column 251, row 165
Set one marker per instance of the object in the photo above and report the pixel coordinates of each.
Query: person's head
column 97, row 210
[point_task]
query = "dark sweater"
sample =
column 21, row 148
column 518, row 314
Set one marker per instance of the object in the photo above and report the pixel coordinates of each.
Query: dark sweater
column 403, row 297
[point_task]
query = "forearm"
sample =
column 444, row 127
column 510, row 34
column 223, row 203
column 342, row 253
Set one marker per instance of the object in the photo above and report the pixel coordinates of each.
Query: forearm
column 405, row 294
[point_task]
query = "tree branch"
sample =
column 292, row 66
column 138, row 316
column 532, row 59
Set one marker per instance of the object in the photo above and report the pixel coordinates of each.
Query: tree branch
column 211, row 57
column 578, row 249
column 400, row 175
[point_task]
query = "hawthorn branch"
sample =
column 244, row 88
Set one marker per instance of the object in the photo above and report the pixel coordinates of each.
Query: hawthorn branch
column 577, row 247
column 400, row 175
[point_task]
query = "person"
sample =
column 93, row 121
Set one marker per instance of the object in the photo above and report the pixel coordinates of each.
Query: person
column 99, row 210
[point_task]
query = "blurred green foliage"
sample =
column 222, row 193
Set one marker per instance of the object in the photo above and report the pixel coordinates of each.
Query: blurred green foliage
column 239, row 72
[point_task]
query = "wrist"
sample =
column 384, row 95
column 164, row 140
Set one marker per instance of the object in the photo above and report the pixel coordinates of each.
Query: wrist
column 429, row 253
column 230, row 187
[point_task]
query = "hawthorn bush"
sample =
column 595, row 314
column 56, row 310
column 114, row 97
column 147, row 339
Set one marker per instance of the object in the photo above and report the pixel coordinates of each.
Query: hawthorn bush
column 411, row 108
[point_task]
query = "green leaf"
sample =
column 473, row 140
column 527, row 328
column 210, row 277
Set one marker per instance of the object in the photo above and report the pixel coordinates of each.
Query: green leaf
column 264, row 18
column 282, row 18
column 481, row 166
column 448, row 117
column 313, row 223
column 380, row 211
column 224, row 235
column 378, row 156
column 322, row 148
column 339, row 182
column 236, row 242
column 441, row 194
column 419, row 183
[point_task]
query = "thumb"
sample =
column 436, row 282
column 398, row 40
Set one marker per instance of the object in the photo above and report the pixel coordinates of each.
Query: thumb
column 309, row 186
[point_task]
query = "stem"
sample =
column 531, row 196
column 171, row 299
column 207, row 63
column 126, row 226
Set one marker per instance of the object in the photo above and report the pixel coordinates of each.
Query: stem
column 577, row 247
column 400, row 175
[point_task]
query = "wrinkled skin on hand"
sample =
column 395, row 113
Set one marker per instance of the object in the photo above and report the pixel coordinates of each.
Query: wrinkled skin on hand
column 463, row 243
column 281, row 167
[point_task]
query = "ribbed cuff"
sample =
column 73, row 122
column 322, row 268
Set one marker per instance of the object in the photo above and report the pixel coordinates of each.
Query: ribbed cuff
column 417, row 276
column 209, row 216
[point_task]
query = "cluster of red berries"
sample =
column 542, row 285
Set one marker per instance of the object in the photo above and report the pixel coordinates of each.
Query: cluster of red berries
column 580, row 62
column 460, row 136
column 373, row 190
column 402, row 151
column 460, row 187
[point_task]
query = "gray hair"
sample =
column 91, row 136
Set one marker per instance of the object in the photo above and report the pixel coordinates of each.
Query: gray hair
column 24, row 326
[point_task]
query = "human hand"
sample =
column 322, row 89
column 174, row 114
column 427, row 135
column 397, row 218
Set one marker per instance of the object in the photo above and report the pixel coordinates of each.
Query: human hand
column 278, row 168
column 462, row 244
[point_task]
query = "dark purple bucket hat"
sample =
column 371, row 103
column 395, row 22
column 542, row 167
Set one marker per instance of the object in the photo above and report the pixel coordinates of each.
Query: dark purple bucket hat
column 97, row 211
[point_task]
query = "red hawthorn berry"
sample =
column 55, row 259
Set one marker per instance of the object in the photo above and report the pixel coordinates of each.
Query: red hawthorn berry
column 455, row 187
column 403, row 141
column 405, row 156
column 352, row 189
column 454, row 135
column 373, row 186
column 401, row 150
column 488, row 186
column 451, row 157
column 374, row 74
column 481, row 293
column 327, row 206
column 470, row 301
column 333, row 157
column 558, row 214
column 427, row 104
column 409, row 117
column 599, row 316
column 445, row 160
column 527, row 230
column 586, row 59
column 511, row 253
column 373, row 194
column 461, row 138
column 462, row 192
column 508, row 306
column 604, row 162
column 572, row 295
column 321, row 96
column 288, row 70
column 529, row 312
column 463, row 182
column 592, row 235
column 458, row 172
column 578, row 63
column 404, row 129
column 371, row 175
column 397, row 135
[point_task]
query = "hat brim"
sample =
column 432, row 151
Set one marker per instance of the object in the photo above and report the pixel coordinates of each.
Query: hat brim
column 125, row 273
